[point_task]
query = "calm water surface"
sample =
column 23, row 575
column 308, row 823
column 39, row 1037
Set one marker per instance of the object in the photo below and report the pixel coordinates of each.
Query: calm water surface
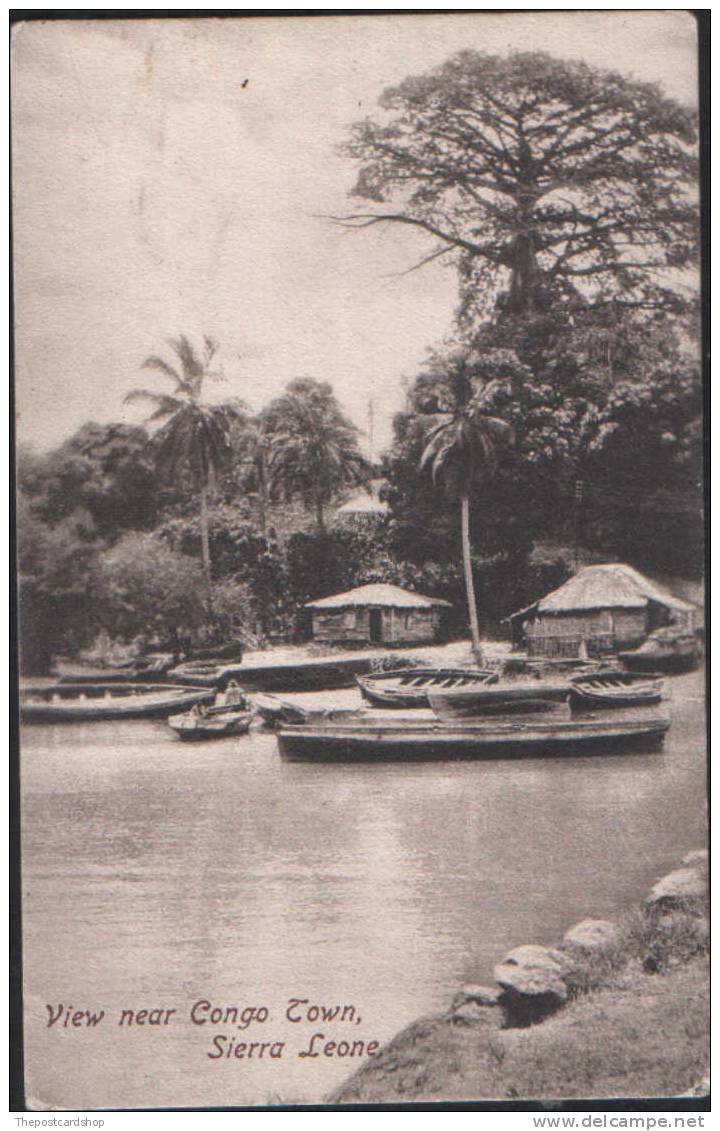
column 158, row 873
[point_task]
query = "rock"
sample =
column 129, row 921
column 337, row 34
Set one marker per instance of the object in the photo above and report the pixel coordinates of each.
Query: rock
column 592, row 934
column 698, row 858
column 475, row 1012
column 480, row 995
column 533, row 971
column 687, row 885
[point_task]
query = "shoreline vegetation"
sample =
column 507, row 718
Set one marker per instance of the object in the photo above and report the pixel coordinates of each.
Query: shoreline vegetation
column 618, row 1009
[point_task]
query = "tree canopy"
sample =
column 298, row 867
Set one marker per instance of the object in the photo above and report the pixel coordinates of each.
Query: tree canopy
column 313, row 446
column 542, row 179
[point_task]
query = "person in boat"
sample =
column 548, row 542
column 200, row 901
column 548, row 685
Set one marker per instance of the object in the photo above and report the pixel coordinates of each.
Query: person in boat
column 233, row 695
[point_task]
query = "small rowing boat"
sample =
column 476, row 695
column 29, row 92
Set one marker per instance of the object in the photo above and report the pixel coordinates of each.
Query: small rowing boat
column 496, row 699
column 614, row 689
column 410, row 687
column 373, row 739
column 78, row 702
column 213, row 722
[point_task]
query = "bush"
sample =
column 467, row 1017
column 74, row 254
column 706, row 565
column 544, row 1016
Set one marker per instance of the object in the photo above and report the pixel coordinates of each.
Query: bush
column 140, row 585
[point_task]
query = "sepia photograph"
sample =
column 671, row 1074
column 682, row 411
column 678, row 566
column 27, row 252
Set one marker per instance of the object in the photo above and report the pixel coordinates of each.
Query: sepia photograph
column 360, row 518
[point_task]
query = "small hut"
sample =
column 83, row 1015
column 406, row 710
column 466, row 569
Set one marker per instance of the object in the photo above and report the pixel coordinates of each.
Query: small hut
column 365, row 506
column 601, row 609
column 380, row 614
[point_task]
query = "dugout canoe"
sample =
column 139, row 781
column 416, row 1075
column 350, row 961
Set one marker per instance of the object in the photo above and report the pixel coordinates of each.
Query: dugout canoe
column 73, row 702
column 614, row 689
column 409, row 687
column 499, row 698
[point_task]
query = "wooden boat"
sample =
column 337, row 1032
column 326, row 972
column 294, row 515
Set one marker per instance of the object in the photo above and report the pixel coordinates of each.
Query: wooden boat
column 204, row 673
column 666, row 650
column 77, row 702
column 373, row 739
column 306, row 675
column 614, row 689
column 497, row 698
column 277, row 712
column 409, row 687
column 214, row 722
column 153, row 667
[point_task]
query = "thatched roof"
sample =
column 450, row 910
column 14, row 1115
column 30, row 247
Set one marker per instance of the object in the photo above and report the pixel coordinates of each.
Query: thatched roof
column 362, row 503
column 377, row 596
column 611, row 586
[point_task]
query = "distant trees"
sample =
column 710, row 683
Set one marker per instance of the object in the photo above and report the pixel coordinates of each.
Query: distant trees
column 543, row 180
column 113, row 541
column 105, row 470
column 195, row 436
column 313, row 447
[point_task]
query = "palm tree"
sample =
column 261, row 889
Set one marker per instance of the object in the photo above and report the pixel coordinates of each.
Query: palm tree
column 253, row 449
column 313, row 447
column 194, row 435
column 461, row 448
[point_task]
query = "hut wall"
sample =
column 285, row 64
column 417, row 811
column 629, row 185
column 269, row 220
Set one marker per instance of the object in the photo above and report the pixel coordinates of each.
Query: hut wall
column 341, row 625
column 410, row 625
column 399, row 626
column 602, row 630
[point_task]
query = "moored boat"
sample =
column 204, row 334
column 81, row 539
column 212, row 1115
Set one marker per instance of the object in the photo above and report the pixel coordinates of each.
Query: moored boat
column 213, row 722
column 409, row 687
column 614, row 689
column 373, row 739
column 276, row 712
column 666, row 650
column 204, row 673
column 497, row 698
column 77, row 702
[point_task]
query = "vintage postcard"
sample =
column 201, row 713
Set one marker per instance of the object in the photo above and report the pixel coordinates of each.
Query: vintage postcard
column 360, row 559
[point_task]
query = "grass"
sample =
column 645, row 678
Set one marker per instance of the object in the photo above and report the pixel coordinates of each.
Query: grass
column 636, row 1025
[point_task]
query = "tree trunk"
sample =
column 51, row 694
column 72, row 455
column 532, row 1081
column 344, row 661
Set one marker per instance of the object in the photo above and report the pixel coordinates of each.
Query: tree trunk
column 319, row 514
column 469, row 584
column 262, row 491
column 205, row 546
column 524, row 276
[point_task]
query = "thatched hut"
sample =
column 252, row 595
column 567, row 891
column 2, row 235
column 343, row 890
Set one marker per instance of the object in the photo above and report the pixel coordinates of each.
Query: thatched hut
column 602, row 608
column 365, row 506
column 380, row 614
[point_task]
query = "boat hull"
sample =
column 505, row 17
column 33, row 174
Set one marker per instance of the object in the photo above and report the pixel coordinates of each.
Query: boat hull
column 276, row 712
column 206, row 730
column 310, row 675
column 496, row 699
column 659, row 662
column 99, row 702
column 395, row 689
column 439, row 743
column 586, row 701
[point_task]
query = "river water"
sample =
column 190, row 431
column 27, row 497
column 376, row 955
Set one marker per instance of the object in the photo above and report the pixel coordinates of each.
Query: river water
column 158, row 874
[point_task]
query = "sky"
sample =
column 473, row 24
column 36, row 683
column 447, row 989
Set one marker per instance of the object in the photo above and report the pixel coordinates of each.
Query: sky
column 175, row 176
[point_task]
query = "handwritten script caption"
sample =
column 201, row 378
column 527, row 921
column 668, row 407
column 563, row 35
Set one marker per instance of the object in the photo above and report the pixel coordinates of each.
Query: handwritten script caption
column 229, row 1028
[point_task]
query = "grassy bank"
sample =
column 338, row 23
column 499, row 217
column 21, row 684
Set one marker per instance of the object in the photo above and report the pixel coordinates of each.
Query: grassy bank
column 636, row 1024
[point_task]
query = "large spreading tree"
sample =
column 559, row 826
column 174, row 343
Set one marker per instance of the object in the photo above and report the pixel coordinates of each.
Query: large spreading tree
column 542, row 179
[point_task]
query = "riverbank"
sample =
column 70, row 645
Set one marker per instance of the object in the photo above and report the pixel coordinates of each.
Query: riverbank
column 618, row 1010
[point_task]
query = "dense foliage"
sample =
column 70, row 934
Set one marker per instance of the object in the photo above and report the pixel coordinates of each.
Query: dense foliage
column 564, row 198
